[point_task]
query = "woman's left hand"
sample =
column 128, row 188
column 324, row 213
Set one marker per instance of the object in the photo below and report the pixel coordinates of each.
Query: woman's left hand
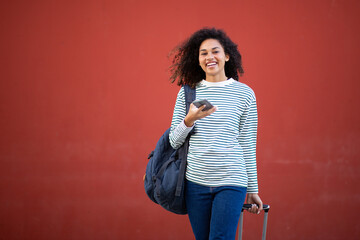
column 257, row 205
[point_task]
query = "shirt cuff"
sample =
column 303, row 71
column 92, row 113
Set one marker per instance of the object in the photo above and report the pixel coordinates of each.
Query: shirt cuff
column 185, row 129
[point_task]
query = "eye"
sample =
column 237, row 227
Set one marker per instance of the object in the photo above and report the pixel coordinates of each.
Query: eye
column 214, row 52
column 203, row 54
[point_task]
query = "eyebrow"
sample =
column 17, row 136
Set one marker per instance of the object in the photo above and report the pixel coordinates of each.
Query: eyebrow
column 211, row 49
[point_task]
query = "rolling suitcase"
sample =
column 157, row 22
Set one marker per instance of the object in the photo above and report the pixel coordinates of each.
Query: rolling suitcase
column 266, row 211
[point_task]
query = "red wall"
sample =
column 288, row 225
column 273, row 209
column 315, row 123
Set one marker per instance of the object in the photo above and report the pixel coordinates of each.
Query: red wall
column 84, row 96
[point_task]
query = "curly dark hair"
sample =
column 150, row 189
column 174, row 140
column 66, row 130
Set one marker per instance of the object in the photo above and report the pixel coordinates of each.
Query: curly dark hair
column 185, row 67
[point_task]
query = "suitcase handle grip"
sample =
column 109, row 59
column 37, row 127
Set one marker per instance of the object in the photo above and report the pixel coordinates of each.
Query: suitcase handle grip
column 247, row 206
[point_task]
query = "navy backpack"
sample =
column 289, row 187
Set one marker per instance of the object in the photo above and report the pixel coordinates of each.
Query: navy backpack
column 165, row 172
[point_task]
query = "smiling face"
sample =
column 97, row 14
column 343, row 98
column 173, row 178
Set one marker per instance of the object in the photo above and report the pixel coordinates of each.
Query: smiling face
column 212, row 59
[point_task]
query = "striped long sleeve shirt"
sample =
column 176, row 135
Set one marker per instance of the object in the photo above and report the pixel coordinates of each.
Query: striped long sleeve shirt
column 222, row 150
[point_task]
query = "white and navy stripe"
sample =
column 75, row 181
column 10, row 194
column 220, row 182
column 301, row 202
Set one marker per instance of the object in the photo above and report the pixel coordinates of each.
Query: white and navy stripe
column 223, row 149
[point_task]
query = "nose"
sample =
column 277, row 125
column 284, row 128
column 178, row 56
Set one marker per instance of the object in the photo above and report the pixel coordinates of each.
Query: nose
column 210, row 56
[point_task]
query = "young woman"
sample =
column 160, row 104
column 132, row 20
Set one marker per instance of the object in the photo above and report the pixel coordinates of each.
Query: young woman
column 221, row 164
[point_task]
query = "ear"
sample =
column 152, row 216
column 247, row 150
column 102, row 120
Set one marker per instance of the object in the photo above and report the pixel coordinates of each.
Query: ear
column 227, row 57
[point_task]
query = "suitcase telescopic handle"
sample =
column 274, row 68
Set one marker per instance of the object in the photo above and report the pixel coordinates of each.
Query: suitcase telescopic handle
column 247, row 206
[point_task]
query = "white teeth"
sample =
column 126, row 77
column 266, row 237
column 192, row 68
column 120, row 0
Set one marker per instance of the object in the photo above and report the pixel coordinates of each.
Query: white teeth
column 211, row 64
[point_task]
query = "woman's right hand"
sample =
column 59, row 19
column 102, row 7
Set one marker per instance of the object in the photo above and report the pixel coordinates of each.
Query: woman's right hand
column 197, row 113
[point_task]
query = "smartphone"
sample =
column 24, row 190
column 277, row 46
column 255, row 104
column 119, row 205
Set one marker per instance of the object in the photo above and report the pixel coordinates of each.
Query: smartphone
column 200, row 102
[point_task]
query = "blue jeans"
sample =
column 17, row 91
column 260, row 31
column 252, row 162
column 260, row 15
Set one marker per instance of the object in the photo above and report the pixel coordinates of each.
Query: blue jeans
column 214, row 211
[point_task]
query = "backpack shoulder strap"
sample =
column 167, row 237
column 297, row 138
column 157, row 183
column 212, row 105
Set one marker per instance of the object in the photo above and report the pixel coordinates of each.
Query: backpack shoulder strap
column 190, row 95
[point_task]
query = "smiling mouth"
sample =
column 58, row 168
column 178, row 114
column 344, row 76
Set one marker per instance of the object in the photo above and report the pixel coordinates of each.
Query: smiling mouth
column 211, row 64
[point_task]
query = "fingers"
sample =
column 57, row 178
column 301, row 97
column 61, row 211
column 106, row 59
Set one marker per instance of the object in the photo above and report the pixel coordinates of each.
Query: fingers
column 194, row 109
column 199, row 113
column 210, row 111
column 255, row 201
column 254, row 209
column 260, row 207
column 259, row 204
column 201, row 108
column 207, row 112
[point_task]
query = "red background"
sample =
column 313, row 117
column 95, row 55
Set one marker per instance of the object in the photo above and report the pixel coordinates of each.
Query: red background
column 85, row 96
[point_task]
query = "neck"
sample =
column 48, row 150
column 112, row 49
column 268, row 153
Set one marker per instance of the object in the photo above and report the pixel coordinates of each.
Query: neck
column 216, row 78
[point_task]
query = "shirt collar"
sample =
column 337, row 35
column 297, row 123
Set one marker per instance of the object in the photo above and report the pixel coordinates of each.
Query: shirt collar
column 218, row 84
